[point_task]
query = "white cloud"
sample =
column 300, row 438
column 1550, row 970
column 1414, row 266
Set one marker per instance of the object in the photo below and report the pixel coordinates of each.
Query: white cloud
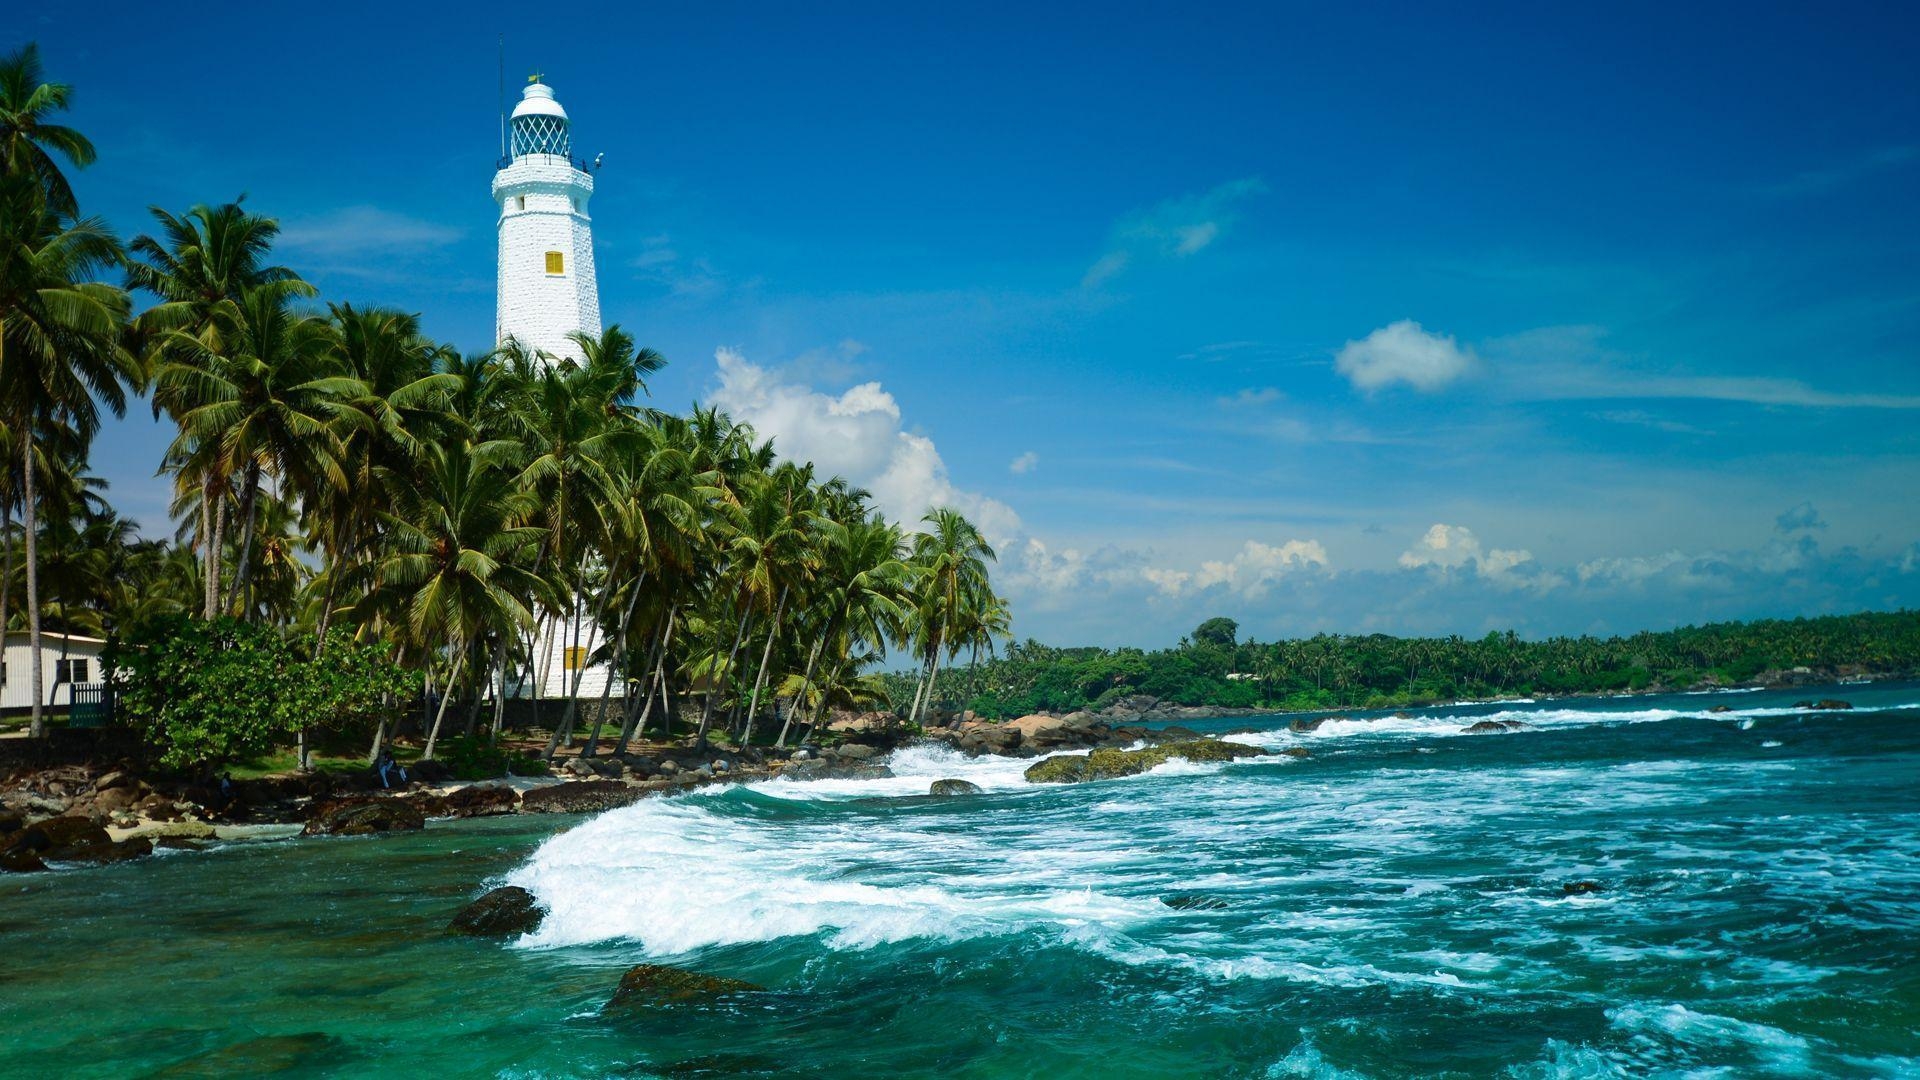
column 1025, row 463
column 1175, row 229
column 1446, row 548
column 857, row 435
column 358, row 230
column 1403, row 352
column 1800, row 517
column 1250, row 573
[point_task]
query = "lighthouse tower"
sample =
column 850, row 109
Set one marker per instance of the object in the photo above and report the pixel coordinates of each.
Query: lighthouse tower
column 547, row 287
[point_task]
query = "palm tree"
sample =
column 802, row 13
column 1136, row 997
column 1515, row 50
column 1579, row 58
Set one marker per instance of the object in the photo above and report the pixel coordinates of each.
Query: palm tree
column 200, row 266
column 458, row 552
column 952, row 558
column 61, row 356
column 270, row 402
column 28, row 142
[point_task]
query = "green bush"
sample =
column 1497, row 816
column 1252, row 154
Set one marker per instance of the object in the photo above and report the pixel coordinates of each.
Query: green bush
column 473, row 759
column 210, row 692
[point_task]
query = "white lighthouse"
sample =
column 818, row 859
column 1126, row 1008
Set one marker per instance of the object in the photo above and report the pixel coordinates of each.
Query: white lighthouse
column 547, row 287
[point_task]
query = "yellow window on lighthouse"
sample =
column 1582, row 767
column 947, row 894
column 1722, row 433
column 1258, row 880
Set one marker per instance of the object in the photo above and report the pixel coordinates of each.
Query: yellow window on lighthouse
column 574, row 658
column 556, row 263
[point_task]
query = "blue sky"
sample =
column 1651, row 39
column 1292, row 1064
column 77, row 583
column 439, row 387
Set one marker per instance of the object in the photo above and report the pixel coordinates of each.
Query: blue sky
column 1359, row 319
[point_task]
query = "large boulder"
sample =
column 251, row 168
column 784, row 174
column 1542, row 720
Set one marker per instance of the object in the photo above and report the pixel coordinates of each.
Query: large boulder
column 65, row 839
column 505, row 911
column 364, row 818
column 1108, row 763
column 1033, row 724
column 1491, row 727
column 954, row 787
column 658, row 984
column 988, row 738
column 833, row 770
column 482, row 800
column 580, row 797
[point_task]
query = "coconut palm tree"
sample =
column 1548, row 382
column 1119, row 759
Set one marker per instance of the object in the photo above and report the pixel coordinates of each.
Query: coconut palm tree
column 61, row 355
column 952, row 558
column 458, row 556
column 30, row 145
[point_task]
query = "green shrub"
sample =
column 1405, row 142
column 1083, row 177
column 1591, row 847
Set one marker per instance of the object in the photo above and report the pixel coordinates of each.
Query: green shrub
column 210, row 692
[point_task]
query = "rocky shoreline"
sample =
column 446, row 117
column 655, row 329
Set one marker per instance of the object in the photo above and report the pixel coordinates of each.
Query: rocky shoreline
column 87, row 813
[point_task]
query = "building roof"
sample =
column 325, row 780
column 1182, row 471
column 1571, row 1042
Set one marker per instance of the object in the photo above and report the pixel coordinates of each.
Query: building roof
column 537, row 100
column 45, row 635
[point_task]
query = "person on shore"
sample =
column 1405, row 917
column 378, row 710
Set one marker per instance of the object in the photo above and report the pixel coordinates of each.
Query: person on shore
column 388, row 767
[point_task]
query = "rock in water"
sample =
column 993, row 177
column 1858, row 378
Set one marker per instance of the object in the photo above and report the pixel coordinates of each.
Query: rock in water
column 658, row 984
column 482, row 800
column 1488, row 727
column 365, row 818
column 1580, row 888
column 954, row 787
column 580, row 797
column 507, row 910
column 1194, row 902
column 1106, row 764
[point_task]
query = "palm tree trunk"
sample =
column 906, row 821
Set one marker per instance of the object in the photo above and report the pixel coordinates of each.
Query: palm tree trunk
column 6, row 563
column 565, row 730
column 806, row 681
column 249, row 509
column 773, row 631
column 820, row 707
column 213, row 517
column 919, row 688
column 706, row 714
column 933, row 673
column 637, row 711
column 446, row 695
column 30, row 519
column 473, row 712
column 619, row 662
column 659, row 683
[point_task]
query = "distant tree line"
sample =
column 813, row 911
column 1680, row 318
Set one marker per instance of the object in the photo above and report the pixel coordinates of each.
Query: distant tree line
column 1336, row 671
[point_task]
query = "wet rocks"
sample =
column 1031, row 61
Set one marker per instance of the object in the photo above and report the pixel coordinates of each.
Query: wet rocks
column 482, row 800
column 1107, row 763
column 581, row 797
column 1824, row 705
column 658, row 984
column 1194, row 902
column 65, row 839
column 364, row 818
column 1581, row 888
column 835, row 770
column 503, row 912
column 1492, row 727
column 954, row 787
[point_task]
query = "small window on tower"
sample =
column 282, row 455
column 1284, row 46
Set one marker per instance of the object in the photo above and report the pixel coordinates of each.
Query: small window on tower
column 519, row 202
column 556, row 263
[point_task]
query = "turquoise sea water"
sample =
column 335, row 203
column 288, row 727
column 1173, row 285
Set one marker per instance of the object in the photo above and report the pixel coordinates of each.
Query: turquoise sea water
column 1392, row 906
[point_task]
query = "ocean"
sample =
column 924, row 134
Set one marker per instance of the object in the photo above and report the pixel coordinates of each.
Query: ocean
column 1625, row 887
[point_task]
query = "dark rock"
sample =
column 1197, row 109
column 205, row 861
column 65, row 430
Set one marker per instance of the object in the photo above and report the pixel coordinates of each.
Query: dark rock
column 1403, row 715
column 1488, row 727
column 1178, row 734
column 1304, row 726
column 1194, row 902
column 11, row 822
column 482, row 800
column 1825, row 704
column 111, row 780
column 828, row 770
column 178, row 843
column 1721, row 708
column 1107, row 763
column 507, row 910
column 658, row 984
column 580, row 797
column 1580, row 888
column 856, row 752
column 1296, row 752
column 364, row 818
column 954, row 787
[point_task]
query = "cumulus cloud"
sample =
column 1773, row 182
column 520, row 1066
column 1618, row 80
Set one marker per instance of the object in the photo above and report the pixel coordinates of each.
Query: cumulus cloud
column 1025, row 463
column 1255, row 567
column 1175, row 229
column 856, row 434
column 1799, row 518
column 1403, row 352
column 1446, row 548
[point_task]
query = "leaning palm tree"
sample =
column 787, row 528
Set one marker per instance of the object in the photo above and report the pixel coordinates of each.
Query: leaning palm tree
column 952, row 558
column 458, row 549
column 61, row 356
column 29, row 143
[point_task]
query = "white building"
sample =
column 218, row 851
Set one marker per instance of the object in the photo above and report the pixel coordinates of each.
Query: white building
column 547, row 291
column 66, row 661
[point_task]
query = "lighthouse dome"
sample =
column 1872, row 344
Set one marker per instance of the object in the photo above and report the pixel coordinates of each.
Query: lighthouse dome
column 540, row 124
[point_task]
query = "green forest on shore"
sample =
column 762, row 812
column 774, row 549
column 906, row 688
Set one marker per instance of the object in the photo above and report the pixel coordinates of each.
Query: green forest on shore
column 1212, row 667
